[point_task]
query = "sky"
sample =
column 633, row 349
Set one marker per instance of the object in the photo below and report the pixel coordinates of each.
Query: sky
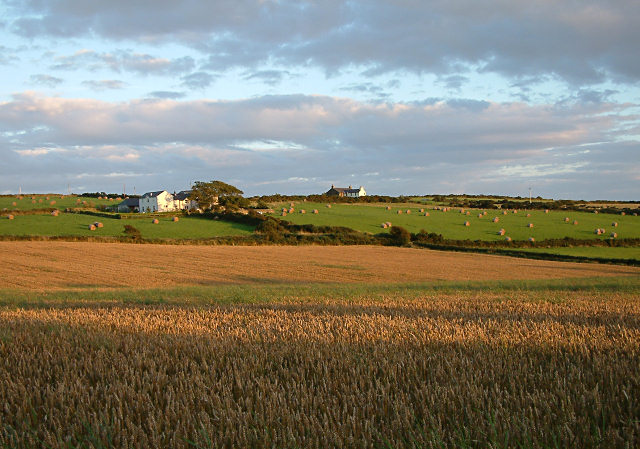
column 278, row 96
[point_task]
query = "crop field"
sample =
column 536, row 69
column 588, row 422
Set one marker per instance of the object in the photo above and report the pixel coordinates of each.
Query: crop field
column 31, row 202
column 488, row 364
column 188, row 227
column 451, row 224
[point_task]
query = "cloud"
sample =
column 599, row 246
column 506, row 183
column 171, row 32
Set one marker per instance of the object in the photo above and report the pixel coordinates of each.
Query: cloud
column 46, row 80
column 197, row 80
column 104, row 84
column 270, row 77
column 457, row 146
column 166, row 94
column 120, row 60
column 580, row 43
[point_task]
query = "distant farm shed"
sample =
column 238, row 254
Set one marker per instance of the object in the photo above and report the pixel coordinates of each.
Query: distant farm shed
column 349, row 192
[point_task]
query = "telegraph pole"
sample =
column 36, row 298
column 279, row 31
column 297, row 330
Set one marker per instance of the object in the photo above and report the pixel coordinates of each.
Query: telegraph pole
column 529, row 195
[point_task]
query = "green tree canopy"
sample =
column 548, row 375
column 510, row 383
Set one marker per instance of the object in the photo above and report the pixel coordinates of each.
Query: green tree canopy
column 210, row 194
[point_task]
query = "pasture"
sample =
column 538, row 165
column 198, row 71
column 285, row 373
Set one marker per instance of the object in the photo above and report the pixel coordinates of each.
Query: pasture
column 55, row 201
column 69, row 224
column 451, row 224
column 115, row 345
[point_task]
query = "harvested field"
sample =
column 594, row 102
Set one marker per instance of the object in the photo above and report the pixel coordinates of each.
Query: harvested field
column 465, row 369
column 63, row 265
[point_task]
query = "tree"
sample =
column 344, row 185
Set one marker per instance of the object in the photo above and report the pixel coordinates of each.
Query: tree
column 208, row 195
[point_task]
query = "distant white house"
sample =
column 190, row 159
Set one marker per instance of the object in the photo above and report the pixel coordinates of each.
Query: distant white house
column 181, row 201
column 160, row 201
column 346, row 191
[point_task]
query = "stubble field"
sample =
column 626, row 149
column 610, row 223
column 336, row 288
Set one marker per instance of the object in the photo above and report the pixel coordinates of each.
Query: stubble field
column 313, row 347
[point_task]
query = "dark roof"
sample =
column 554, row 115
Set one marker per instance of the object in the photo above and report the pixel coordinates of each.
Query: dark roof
column 152, row 194
column 345, row 190
column 183, row 195
column 131, row 202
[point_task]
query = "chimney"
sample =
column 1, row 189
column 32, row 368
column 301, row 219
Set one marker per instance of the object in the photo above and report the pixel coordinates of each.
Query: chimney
column 349, row 185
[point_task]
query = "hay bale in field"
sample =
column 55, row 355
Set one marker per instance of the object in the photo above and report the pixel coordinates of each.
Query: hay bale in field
column 515, row 211
column 155, row 221
column 174, row 219
column 10, row 217
column 531, row 239
column 501, row 232
column 495, row 219
column 110, row 199
column 614, row 235
column 484, row 212
column 55, row 213
column 575, row 222
column 40, row 200
column 284, row 213
column 315, row 211
column 302, row 211
column 466, row 223
column 78, row 201
column 546, row 211
column 421, row 210
column 530, row 225
column 408, row 211
column 462, row 211
column 14, row 204
column 595, row 211
column 291, row 204
column 399, row 212
column 388, row 208
column 566, row 219
column 597, row 231
column 468, row 213
column 528, row 215
column 623, row 213
column 426, row 214
column 329, row 206
column 508, row 239
column 52, row 202
column 97, row 224
column 291, row 210
column 33, row 201
column 480, row 215
column 19, row 197
column 614, row 224
column 388, row 224
column 504, row 212
column 92, row 227
column 384, row 226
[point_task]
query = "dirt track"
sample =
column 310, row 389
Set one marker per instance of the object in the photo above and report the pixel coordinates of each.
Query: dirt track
column 55, row 265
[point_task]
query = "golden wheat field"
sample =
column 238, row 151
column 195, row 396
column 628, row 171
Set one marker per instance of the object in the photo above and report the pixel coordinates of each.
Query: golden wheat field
column 496, row 364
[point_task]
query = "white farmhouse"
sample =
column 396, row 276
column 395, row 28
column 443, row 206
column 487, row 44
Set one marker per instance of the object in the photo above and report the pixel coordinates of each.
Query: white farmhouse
column 349, row 192
column 181, row 201
column 161, row 201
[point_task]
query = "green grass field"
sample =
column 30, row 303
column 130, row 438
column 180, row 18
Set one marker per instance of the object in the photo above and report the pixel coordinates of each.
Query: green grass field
column 368, row 218
column 41, row 202
column 77, row 225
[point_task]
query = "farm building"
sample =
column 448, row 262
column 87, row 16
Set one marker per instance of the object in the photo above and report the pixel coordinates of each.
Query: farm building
column 128, row 205
column 346, row 191
column 181, row 201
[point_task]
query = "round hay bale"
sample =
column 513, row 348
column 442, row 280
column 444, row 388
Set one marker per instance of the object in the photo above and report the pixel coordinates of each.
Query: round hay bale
column 33, row 201
column 614, row 224
column 466, row 223
column 614, row 235
column 528, row 215
column 531, row 239
column 408, row 211
column 52, row 202
column 388, row 207
column 92, row 227
column 329, row 206
column 284, row 213
column 597, row 231
column 99, row 197
column 495, row 219
column 426, row 214
column 10, row 217
column 315, row 211
column 174, row 219
column 462, row 211
column 501, row 232
column 399, row 212
column 504, row 212
column 110, row 199
column 566, row 219
column 508, row 239
column 480, row 215
column 484, row 212
column 575, row 222
column 530, row 225
column 55, row 213
column 78, row 201
column 595, row 211
column 515, row 211
column 468, row 213
column 291, row 204
column 546, row 211
column 155, row 221
column 98, row 224
column 291, row 210
column 302, row 211
column 14, row 204
column 19, row 197
column 33, row 197
column 388, row 224
column 623, row 213
column 421, row 210
column 384, row 225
